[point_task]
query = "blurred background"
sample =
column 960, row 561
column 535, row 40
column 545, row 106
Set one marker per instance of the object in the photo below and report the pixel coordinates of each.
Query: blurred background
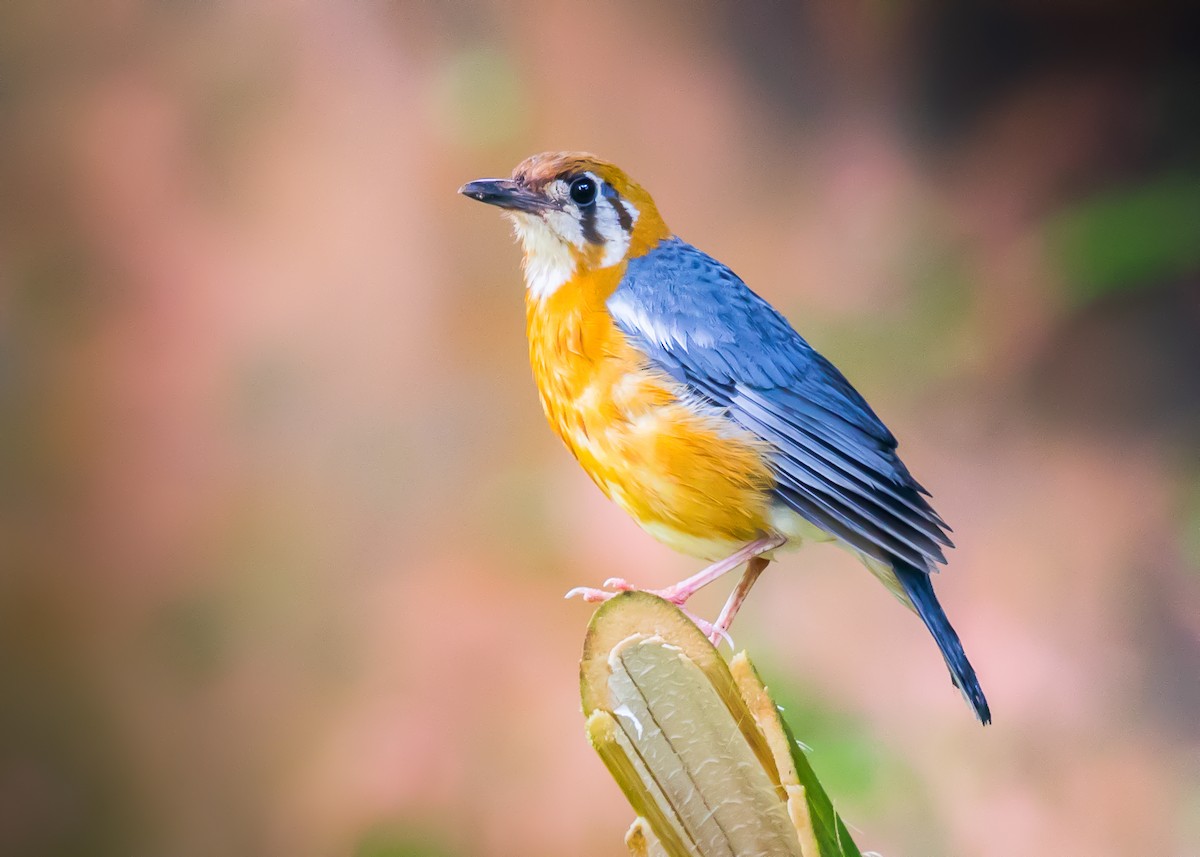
column 283, row 533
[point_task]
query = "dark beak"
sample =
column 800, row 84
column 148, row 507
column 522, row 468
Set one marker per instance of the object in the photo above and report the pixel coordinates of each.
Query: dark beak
column 506, row 194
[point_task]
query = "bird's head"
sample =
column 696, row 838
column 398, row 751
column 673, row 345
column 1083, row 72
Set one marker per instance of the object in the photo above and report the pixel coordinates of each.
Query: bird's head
column 573, row 213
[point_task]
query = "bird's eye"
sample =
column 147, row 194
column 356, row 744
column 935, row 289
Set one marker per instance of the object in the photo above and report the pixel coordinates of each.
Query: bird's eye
column 583, row 190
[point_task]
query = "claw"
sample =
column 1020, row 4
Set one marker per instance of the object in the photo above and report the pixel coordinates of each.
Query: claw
column 587, row 593
column 592, row 596
column 716, row 635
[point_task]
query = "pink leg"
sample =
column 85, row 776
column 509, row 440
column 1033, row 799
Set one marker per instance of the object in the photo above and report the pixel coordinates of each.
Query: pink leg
column 754, row 568
column 685, row 589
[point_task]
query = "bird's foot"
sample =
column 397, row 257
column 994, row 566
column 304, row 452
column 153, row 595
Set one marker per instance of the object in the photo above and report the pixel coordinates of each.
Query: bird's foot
column 616, row 585
column 679, row 593
column 611, row 587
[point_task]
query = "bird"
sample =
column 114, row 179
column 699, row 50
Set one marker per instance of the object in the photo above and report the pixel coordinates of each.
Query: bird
column 697, row 408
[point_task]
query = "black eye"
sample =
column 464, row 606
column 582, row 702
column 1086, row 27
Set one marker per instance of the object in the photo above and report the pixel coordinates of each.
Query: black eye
column 583, row 191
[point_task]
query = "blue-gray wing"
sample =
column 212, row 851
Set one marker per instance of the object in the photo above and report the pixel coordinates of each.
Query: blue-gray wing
column 835, row 462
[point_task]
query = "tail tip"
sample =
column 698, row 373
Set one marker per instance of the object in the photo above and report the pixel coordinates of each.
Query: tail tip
column 973, row 694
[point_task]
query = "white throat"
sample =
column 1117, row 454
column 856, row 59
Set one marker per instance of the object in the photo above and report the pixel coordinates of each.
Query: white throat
column 548, row 260
column 549, row 240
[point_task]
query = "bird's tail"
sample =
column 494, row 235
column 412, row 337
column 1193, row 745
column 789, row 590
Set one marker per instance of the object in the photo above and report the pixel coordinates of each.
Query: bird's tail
column 919, row 589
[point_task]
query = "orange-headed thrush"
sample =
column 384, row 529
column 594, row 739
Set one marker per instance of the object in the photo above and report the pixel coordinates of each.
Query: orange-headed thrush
column 694, row 405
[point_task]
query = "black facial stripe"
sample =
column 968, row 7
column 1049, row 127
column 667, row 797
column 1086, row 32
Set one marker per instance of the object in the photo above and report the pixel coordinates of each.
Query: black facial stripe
column 588, row 222
column 623, row 216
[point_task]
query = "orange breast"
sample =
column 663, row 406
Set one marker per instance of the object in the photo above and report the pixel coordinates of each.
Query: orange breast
column 685, row 473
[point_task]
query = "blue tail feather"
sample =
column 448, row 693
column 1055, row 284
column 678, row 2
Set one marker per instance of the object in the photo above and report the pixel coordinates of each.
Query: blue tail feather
column 919, row 588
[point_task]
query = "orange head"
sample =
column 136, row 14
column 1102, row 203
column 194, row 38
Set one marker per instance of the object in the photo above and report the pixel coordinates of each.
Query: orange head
column 574, row 213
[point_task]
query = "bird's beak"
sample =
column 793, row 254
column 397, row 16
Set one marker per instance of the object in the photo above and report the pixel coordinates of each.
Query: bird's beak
column 506, row 194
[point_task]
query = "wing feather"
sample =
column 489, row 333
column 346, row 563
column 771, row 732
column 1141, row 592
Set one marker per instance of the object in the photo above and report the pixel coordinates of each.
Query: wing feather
column 834, row 460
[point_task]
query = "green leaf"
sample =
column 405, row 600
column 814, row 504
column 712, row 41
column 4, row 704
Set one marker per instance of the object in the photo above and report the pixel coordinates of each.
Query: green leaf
column 1129, row 237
